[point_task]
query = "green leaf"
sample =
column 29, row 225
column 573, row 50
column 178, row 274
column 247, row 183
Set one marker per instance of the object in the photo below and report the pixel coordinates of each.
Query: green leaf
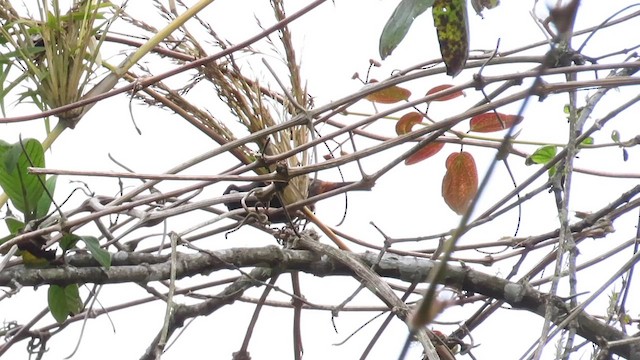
column 399, row 23
column 542, row 155
column 14, row 224
column 101, row 255
column 23, row 189
column 588, row 141
column 452, row 25
column 615, row 136
column 64, row 301
column 68, row 241
column 27, row 52
column 45, row 201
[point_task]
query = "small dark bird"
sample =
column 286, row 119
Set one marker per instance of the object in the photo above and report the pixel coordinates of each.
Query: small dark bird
column 316, row 187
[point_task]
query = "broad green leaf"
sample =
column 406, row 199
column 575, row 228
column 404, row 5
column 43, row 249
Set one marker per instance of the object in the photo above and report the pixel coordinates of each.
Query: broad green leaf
column 45, row 201
column 64, row 301
column 101, row 255
column 452, row 25
column 14, row 224
column 399, row 23
column 542, row 155
column 68, row 241
column 23, row 189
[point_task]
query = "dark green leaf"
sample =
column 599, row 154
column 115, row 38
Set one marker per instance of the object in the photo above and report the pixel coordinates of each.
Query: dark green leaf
column 68, row 241
column 64, row 301
column 23, row 189
column 45, row 201
column 542, row 155
column 100, row 254
column 399, row 23
column 452, row 25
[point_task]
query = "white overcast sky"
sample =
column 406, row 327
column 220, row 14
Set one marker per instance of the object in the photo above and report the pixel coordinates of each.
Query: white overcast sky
column 334, row 41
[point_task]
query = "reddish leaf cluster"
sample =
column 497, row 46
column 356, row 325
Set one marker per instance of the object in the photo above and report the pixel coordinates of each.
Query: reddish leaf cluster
column 404, row 125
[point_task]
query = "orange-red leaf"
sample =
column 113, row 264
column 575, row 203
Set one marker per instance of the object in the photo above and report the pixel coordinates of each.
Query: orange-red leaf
column 444, row 97
column 407, row 121
column 426, row 152
column 460, row 182
column 490, row 122
column 390, row 95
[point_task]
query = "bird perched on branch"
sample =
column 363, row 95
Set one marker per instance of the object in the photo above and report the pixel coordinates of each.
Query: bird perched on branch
column 272, row 200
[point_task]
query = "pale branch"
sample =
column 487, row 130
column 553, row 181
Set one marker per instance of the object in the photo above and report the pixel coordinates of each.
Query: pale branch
column 406, row 268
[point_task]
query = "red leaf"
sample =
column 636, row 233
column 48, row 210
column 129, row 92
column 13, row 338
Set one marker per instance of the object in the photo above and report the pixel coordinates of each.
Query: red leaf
column 407, row 121
column 489, row 122
column 426, row 152
column 460, row 182
column 390, row 95
column 444, row 97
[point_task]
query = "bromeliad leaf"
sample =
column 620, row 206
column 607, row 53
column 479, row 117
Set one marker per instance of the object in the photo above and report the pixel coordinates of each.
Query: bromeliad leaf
column 399, row 23
column 452, row 26
column 24, row 189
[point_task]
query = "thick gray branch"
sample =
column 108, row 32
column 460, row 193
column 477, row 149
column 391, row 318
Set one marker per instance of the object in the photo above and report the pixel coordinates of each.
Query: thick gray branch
column 146, row 267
